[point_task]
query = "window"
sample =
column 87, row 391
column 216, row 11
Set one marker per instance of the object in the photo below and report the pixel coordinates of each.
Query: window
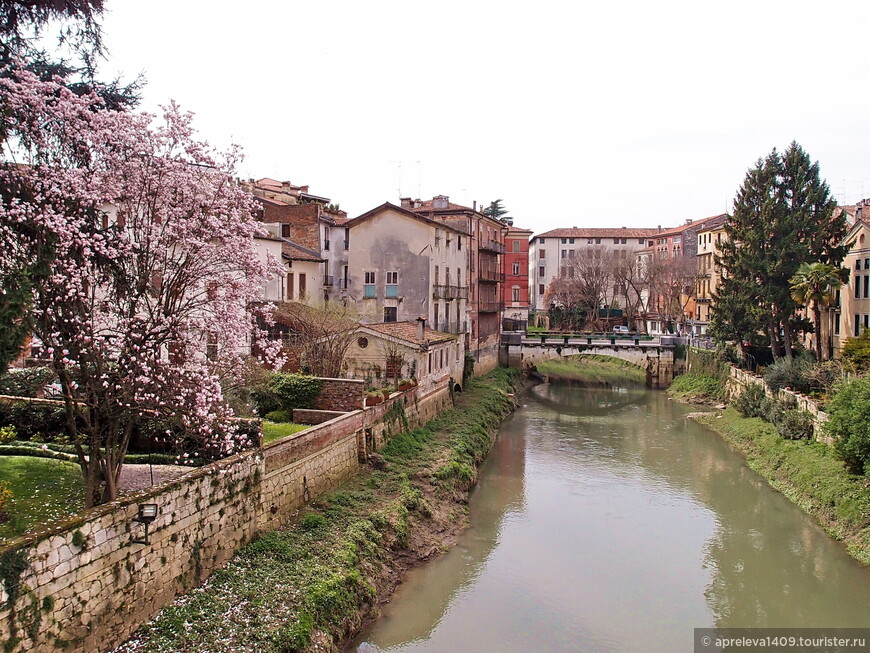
column 866, row 321
column 542, row 253
column 515, row 294
column 541, row 289
column 564, row 241
column 285, row 231
column 588, row 241
column 624, row 241
column 540, row 241
column 301, row 285
column 866, row 286
column 392, row 285
column 436, row 316
column 459, row 242
column 369, row 288
column 570, row 253
column 515, row 245
column 597, row 241
column 211, row 347
column 867, row 263
column 541, row 271
column 677, row 240
column 640, row 241
column 390, row 313
column 857, row 264
column 211, row 290
column 857, row 286
column 571, row 240
column 857, row 325
column 516, row 269
column 362, row 342
column 290, row 276
column 564, row 253
column 437, row 276
column 837, row 325
column 616, row 241
column 458, row 276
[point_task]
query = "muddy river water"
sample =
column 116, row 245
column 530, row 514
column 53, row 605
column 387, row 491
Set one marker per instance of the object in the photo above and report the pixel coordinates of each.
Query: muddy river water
column 606, row 521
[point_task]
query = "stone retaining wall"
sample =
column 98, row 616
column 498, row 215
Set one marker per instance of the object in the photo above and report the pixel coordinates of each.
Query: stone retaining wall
column 739, row 379
column 84, row 585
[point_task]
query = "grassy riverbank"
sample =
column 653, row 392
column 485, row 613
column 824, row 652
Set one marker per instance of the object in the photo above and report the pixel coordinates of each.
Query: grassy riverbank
column 311, row 586
column 592, row 369
column 808, row 473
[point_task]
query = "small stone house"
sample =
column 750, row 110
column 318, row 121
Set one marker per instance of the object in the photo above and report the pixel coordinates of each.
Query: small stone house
column 383, row 352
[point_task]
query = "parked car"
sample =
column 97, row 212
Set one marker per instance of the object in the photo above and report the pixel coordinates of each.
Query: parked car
column 620, row 329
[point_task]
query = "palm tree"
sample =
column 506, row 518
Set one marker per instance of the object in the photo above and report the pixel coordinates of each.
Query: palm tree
column 815, row 285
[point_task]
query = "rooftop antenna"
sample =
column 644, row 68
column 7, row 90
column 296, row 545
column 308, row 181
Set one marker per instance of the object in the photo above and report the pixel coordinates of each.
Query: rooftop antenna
column 399, row 173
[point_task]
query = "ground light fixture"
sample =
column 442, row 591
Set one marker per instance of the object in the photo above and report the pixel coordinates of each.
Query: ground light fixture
column 147, row 514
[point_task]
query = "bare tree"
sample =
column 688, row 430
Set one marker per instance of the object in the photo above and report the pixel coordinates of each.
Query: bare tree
column 317, row 335
column 672, row 285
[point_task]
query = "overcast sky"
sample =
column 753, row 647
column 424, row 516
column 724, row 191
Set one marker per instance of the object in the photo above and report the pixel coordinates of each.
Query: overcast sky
column 575, row 113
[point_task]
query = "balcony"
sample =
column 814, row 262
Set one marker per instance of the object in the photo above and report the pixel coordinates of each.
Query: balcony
column 489, row 306
column 492, row 246
column 490, row 274
column 328, row 281
column 344, row 284
column 449, row 292
column 455, row 328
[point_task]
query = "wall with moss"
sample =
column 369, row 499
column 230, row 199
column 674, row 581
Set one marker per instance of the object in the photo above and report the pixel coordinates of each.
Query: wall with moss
column 84, row 585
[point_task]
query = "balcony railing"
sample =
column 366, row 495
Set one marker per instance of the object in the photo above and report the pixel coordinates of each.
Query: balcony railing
column 328, row 281
column 492, row 246
column 441, row 291
column 487, row 274
column 489, row 306
column 344, row 283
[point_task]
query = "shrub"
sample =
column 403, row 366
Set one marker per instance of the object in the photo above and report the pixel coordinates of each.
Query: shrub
column 34, row 421
column 692, row 385
column 794, row 424
column 794, row 373
column 751, row 402
column 849, row 423
column 286, row 391
column 279, row 416
column 5, row 497
column 26, row 382
column 7, row 434
column 857, row 351
column 312, row 521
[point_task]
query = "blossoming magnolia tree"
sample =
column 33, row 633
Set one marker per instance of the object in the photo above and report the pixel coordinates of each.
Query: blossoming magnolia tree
column 140, row 252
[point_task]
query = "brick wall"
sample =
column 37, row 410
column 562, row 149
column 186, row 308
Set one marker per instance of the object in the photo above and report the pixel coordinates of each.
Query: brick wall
column 342, row 395
column 101, row 586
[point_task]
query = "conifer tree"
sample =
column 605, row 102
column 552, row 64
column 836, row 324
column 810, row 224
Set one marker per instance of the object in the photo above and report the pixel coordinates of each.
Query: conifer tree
column 783, row 216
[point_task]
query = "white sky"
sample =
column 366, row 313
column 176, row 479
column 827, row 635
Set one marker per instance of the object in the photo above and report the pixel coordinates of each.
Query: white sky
column 575, row 113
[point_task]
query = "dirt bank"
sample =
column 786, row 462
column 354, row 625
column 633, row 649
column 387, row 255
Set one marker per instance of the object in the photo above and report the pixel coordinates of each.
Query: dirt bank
column 313, row 585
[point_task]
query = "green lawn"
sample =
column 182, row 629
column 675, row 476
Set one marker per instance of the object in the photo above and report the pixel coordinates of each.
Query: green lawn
column 277, row 430
column 592, row 369
column 43, row 490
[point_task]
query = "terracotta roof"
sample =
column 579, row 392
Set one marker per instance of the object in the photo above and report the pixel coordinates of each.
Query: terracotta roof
column 621, row 232
column 269, row 200
column 408, row 331
column 676, row 231
column 714, row 223
column 296, row 252
column 427, row 206
column 519, row 230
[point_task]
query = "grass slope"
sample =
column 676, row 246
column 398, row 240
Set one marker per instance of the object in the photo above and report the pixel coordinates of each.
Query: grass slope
column 43, row 490
column 310, row 586
column 808, row 473
column 592, row 369
column 277, row 430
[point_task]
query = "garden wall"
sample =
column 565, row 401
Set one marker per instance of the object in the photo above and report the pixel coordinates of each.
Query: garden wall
column 341, row 394
column 739, row 379
column 84, row 585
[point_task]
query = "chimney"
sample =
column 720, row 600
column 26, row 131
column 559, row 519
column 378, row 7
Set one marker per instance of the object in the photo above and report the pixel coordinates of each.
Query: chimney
column 440, row 202
column 405, row 202
column 421, row 329
column 474, row 205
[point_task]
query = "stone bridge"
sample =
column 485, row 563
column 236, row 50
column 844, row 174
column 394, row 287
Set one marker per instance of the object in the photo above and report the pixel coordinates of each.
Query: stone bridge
column 655, row 356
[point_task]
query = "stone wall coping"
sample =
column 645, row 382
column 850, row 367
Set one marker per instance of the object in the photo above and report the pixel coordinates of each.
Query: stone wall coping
column 92, row 514
column 327, row 378
column 311, row 430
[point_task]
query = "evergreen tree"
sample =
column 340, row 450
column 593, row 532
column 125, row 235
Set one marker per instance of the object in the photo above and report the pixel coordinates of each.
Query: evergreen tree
column 783, row 216
column 498, row 211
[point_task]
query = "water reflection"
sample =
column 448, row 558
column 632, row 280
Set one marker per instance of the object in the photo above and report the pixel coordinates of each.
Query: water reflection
column 606, row 521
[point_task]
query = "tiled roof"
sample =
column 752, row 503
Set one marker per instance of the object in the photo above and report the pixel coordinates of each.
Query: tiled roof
column 714, row 223
column 427, row 206
column 298, row 253
column 676, row 231
column 408, row 331
column 269, row 200
column 386, row 206
column 621, row 232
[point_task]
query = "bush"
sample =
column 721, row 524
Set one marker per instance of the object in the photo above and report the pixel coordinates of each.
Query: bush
column 26, row 382
column 752, row 401
column 849, row 423
column 285, row 391
column 794, row 424
column 794, row 373
column 34, row 421
column 857, row 351
column 279, row 416
column 7, row 434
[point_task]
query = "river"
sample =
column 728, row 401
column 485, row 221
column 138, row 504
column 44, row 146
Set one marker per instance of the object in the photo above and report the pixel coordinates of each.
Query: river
column 604, row 520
